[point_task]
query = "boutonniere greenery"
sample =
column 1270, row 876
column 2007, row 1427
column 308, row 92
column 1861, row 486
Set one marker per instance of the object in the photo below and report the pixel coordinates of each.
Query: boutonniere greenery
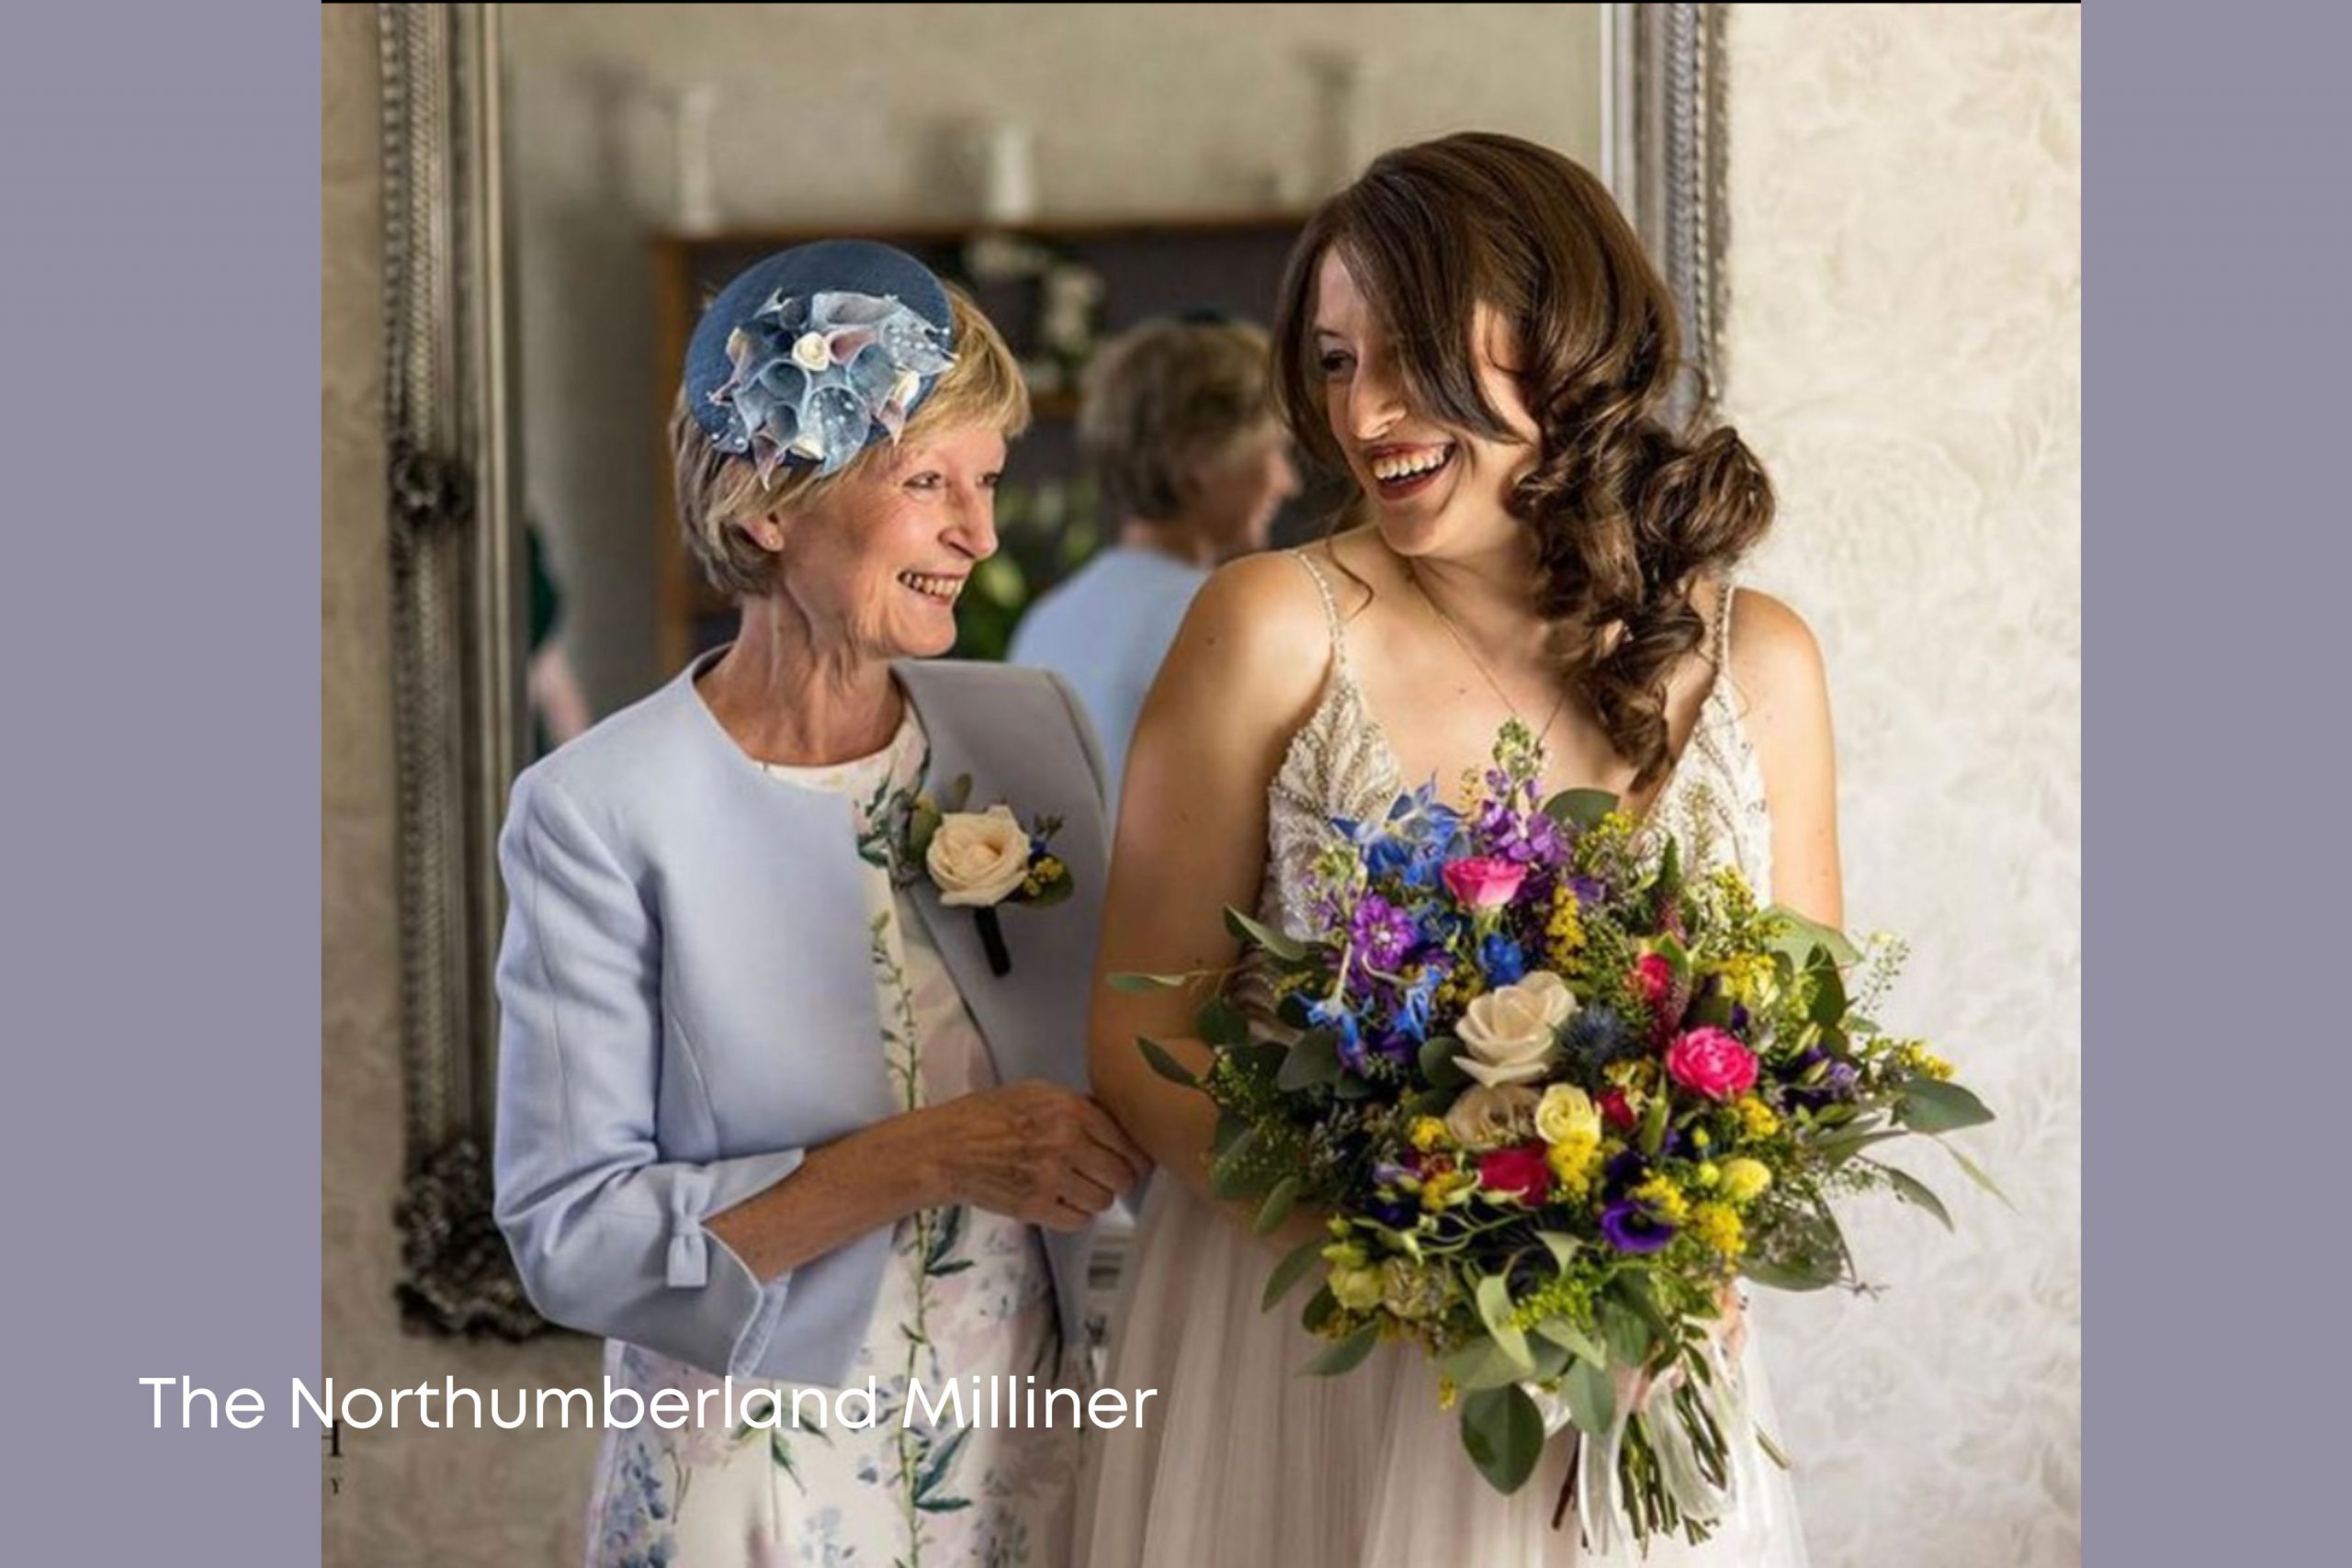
column 983, row 860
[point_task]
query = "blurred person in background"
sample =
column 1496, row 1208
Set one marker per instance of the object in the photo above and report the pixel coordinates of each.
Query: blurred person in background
column 1179, row 432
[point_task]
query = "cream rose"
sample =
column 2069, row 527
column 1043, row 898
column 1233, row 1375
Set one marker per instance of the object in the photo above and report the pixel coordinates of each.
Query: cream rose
column 1567, row 1115
column 1487, row 1118
column 1510, row 1033
column 978, row 858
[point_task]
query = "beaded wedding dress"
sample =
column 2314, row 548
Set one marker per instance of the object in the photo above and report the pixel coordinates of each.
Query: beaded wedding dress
column 1245, row 1462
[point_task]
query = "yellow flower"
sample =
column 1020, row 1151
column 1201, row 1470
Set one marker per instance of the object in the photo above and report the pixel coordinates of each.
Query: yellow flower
column 1426, row 1133
column 1575, row 1160
column 1635, row 1076
column 1566, row 1111
column 1748, row 978
column 1438, row 1191
column 1756, row 1119
column 1564, row 932
column 1709, row 1174
column 1913, row 1056
column 1720, row 1229
column 1665, row 1199
column 1358, row 1289
column 1745, row 1179
column 1047, row 869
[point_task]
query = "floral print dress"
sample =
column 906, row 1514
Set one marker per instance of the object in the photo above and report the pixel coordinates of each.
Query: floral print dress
column 966, row 1293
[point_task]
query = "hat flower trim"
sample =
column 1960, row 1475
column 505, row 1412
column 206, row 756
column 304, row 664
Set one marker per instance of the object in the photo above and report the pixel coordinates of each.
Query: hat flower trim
column 814, row 379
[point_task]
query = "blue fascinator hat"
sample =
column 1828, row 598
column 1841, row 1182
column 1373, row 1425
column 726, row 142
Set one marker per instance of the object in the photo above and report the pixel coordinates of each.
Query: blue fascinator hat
column 809, row 355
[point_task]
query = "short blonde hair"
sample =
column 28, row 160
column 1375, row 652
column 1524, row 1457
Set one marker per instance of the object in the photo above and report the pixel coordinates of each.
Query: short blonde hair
column 1164, row 401
column 717, row 492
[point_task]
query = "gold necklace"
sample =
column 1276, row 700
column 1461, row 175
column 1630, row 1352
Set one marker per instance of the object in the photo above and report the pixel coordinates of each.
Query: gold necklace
column 1478, row 663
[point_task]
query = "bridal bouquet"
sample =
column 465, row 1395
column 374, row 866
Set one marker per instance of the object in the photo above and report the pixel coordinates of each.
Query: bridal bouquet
column 1556, row 1095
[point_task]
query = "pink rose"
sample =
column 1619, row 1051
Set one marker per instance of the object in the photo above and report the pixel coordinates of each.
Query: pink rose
column 1520, row 1172
column 1483, row 882
column 1711, row 1062
column 1653, row 978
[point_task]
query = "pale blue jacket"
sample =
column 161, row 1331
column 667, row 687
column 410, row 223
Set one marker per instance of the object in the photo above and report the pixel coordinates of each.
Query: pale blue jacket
column 687, row 1006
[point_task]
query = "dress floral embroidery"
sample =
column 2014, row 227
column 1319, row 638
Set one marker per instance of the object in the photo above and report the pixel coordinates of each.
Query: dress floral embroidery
column 967, row 1293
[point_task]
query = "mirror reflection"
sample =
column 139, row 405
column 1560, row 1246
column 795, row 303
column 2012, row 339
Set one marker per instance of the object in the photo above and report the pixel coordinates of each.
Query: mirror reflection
column 1118, row 187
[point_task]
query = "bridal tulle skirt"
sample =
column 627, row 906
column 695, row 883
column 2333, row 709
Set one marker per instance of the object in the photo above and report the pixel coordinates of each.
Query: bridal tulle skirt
column 1243, row 1461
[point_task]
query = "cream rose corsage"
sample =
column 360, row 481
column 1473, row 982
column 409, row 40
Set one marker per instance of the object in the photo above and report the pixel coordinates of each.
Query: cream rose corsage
column 979, row 860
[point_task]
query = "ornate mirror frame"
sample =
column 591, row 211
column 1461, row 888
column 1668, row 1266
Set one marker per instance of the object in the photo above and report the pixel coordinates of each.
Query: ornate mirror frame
column 452, row 493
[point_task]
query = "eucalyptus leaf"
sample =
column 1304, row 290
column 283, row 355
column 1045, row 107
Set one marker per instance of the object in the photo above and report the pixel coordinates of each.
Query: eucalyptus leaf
column 1312, row 1062
column 1318, row 1310
column 1845, row 1144
column 1166, row 1066
column 1592, row 1397
column 1829, row 996
column 1221, row 1023
column 1913, row 1191
column 1141, row 984
column 1289, row 1271
column 1811, row 1273
column 1277, row 1206
column 1805, row 934
column 1929, row 1105
column 1481, row 1364
column 1580, row 807
column 1568, row 1337
column 1347, row 1355
column 1627, row 1336
column 1493, row 1296
column 1272, row 940
column 1058, row 893
column 1437, row 1061
column 1503, row 1433
column 1229, row 1176
column 1976, row 1174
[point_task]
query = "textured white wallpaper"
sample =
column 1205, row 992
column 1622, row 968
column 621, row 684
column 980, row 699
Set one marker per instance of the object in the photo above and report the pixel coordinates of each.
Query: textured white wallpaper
column 1904, row 349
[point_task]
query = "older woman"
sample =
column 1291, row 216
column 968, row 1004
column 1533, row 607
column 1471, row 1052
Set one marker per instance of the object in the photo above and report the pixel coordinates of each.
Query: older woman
column 791, row 1057
column 1179, row 428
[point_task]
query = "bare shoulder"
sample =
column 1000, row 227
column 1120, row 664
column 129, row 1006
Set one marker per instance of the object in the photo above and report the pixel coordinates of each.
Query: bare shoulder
column 1775, row 659
column 1783, row 686
column 1261, row 617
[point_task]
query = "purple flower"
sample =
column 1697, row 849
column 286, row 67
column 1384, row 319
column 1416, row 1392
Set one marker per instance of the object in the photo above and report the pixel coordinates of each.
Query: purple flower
column 1382, row 934
column 1624, row 1171
column 1816, row 1080
column 1631, row 1228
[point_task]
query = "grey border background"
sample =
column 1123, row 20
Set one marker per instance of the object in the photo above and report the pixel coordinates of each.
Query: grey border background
column 2218, row 332
column 159, row 286
column 158, row 645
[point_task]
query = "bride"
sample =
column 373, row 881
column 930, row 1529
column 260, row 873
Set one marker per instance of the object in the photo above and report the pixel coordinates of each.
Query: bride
column 1472, row 333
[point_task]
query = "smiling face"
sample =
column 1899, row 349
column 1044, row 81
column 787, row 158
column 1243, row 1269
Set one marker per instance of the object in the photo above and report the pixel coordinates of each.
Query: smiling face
column 1436, row 491
column 874, row 565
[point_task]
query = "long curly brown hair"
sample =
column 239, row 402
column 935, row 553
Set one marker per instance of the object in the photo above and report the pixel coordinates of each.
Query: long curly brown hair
column 1630, row 513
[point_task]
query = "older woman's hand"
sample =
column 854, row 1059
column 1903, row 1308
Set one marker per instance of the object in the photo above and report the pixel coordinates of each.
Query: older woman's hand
column 1033, row 1151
